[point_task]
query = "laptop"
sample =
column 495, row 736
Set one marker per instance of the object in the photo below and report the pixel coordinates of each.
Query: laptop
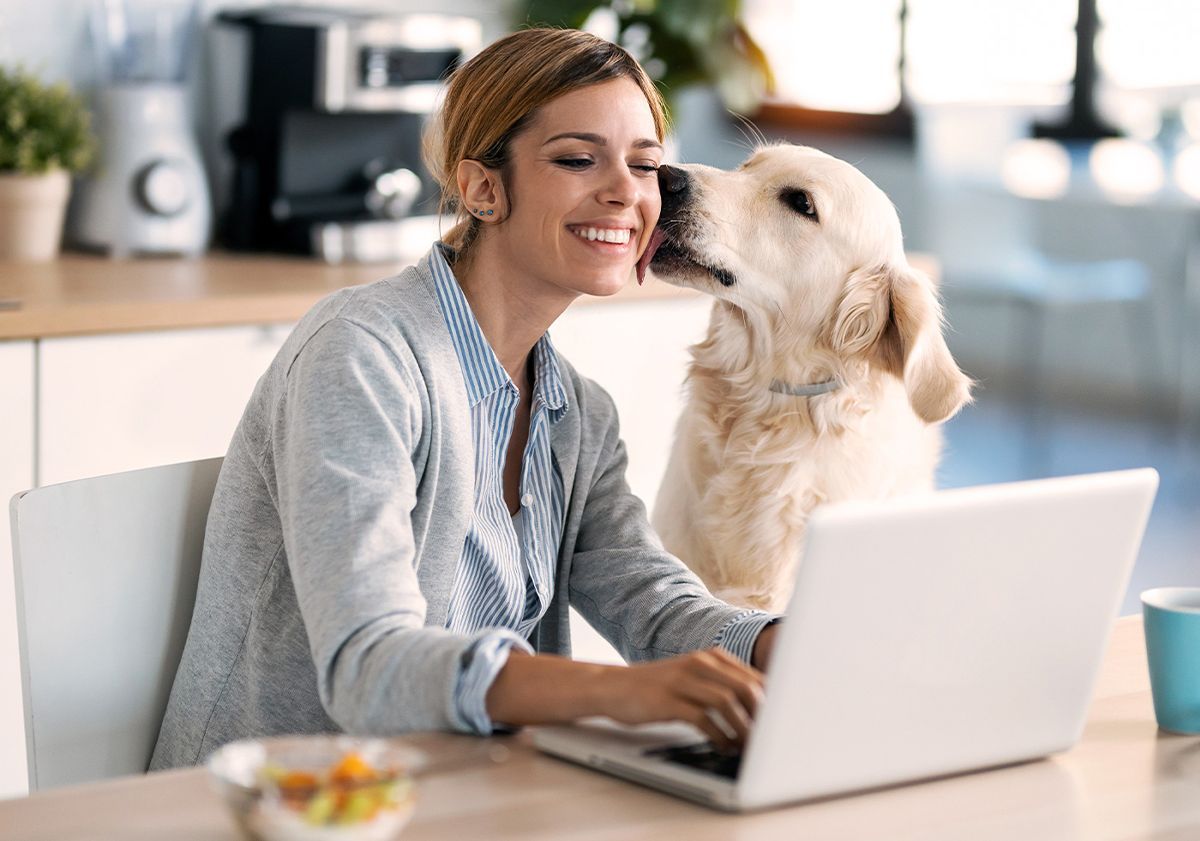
column 926, row 636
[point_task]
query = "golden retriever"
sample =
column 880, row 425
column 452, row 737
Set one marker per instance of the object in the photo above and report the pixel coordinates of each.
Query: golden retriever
column 823, row 375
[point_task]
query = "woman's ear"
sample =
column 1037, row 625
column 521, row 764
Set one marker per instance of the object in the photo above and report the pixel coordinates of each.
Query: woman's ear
column 481, row 189
column 891, row 315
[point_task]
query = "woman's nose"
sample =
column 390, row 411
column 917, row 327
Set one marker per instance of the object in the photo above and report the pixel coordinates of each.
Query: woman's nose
column 620, row 188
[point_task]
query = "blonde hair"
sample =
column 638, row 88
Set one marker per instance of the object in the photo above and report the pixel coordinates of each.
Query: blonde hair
column 491, row 98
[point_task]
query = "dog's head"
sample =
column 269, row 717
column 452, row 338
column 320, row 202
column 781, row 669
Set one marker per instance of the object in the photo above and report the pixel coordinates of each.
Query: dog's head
column 806, row 243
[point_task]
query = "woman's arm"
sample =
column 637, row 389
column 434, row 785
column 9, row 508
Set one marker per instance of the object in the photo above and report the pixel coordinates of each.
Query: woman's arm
column 342, row 445
column 640, row 597
column 545, row 689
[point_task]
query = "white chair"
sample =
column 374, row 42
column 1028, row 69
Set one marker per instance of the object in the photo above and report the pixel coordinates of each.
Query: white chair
column 106, row 573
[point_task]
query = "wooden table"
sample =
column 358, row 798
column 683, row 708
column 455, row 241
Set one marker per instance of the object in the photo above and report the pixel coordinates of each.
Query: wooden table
column 1124, row 780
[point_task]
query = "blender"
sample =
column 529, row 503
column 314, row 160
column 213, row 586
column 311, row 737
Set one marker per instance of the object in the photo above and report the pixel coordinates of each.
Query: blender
column 148, row 193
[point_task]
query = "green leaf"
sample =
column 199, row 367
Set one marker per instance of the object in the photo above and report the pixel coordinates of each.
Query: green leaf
column 690, row 42
column 568, row 13
column 42, row 127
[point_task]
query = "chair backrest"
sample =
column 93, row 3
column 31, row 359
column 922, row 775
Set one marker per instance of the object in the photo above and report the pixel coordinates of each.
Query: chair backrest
column 106, row 573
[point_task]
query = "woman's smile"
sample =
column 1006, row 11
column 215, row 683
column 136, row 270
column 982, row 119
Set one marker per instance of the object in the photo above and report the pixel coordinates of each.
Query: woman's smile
column 602, row 236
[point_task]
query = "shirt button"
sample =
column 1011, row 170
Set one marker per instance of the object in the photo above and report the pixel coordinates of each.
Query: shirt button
column 527, row 500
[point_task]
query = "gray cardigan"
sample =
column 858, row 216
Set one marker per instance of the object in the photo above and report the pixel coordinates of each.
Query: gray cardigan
column 339, row 519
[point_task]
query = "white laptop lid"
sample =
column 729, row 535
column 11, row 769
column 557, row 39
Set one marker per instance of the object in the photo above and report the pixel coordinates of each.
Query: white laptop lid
column 944, row 632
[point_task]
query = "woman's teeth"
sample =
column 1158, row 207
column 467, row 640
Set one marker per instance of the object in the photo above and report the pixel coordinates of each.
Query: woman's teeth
column 616, row 235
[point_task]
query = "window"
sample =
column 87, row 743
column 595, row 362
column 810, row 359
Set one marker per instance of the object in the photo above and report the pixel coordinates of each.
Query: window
column 832, row 56
column 1149, row 44
column 1146, row 54
column 837, row 64
column 1015, row 51
column 859, row 64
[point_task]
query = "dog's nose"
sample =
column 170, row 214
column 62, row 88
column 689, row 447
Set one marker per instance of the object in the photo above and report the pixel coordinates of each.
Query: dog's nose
column 674, row 184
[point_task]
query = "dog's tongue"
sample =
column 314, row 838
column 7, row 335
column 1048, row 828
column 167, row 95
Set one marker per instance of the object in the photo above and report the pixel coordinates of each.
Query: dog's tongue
column 643, row 263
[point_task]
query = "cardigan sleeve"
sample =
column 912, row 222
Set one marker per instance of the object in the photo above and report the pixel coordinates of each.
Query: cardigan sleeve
column 342, row 443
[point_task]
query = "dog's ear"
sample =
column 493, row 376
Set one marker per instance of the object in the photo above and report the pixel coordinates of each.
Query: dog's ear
column 891, row 316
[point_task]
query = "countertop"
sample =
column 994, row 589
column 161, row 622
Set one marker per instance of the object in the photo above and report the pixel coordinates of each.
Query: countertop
column 80, row 294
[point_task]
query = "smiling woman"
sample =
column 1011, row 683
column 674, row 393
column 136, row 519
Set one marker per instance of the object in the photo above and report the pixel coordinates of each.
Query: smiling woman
column 573, row 116
column 578, row 205
column 421, row 487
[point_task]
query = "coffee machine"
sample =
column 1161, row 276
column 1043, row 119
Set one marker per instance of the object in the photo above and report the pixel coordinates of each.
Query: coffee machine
column 327, row 159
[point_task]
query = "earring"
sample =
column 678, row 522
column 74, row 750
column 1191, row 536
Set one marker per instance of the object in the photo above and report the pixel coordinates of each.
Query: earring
column 482, row 212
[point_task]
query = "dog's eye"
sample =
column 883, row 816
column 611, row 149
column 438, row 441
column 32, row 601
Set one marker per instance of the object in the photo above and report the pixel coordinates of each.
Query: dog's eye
column 799, row 201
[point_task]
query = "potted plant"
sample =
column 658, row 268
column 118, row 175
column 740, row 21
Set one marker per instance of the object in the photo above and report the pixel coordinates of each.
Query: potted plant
column 681, row 43
column 45, row 135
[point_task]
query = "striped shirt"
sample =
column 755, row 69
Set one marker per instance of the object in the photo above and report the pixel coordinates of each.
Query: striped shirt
column 505, row 580
column 506, row 577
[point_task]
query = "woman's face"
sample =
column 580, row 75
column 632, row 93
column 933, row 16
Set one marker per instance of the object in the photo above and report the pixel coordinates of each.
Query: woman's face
column 583, row 189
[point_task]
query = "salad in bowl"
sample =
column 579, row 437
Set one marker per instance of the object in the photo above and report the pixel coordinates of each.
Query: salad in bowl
column 317, row 788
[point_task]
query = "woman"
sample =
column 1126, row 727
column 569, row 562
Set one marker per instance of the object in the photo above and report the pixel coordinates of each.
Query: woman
column 419, row 486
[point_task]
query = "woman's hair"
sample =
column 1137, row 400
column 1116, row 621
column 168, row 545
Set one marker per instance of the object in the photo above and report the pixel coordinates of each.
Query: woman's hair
column 490, row 99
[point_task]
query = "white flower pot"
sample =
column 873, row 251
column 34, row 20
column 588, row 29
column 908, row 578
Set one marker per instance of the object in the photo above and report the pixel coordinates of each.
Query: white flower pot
column 31, row 214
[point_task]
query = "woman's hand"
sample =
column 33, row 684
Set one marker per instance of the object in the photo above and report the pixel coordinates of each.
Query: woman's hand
column 712, row 690
column 698, row 688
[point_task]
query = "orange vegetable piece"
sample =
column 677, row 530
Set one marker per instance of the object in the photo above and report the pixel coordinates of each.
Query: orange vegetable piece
column 298, row 779
column 353, row 768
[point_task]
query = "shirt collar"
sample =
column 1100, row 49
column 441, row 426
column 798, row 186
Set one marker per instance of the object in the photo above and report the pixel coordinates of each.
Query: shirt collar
column 547, row 378
column 482, row 371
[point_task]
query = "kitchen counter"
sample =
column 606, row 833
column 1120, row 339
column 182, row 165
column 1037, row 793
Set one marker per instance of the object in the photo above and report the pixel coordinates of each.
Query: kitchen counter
column 80, row 294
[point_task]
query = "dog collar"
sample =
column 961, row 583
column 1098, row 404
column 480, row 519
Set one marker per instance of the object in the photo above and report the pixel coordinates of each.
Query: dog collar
column 810, row 390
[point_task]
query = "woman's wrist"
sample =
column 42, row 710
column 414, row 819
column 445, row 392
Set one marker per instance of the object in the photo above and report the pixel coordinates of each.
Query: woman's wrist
column 546, row 689
column 760, row 658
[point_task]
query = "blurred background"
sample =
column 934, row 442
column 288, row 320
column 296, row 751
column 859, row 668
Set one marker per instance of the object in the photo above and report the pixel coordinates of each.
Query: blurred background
column 1046, row 153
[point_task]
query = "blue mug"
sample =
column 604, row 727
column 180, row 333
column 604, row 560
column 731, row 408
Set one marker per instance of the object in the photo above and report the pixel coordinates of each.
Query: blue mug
column 1171, row 616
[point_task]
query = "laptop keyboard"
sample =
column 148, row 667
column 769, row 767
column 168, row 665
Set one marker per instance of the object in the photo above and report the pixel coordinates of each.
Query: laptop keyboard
column 703, row 757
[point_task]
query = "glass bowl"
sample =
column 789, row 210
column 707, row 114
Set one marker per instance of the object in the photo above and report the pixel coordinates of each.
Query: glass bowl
column 317, row 788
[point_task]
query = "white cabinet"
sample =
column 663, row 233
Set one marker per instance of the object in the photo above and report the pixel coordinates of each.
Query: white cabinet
column 16, row 475
column 120, row 402
column 636, row 350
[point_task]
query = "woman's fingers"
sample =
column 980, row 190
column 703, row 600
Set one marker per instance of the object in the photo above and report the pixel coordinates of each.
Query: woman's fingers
column 728, row 691
column 698, row 716
column 724, row 702
column 712, row 690
column 719, row 667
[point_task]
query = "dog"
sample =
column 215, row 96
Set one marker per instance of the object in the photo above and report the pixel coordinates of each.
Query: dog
column 823, row 376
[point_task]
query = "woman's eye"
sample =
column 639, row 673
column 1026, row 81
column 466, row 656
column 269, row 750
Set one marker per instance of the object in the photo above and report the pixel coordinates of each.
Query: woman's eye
column 574, row 163
column 645, row 167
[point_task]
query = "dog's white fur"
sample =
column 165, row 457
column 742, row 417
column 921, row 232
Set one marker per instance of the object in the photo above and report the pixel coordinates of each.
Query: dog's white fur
column 812, row 299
